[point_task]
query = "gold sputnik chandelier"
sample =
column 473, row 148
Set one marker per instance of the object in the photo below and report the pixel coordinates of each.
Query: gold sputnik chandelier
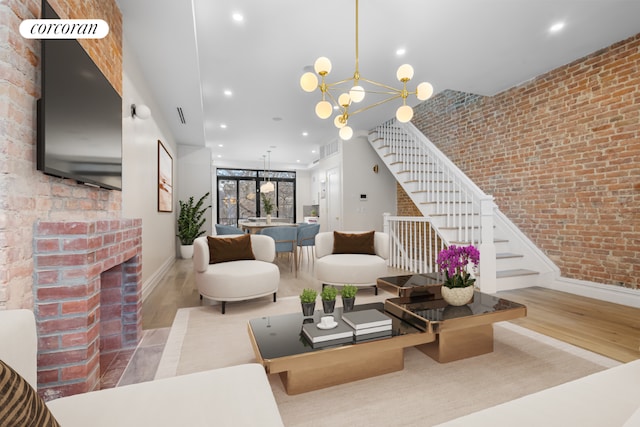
column 356, row 93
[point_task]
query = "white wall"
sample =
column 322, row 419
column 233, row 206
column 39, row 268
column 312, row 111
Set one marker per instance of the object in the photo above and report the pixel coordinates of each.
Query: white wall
column 358, row 178
column 356, row 159
column 303, row 194
column 140, row 172
column 195, row 178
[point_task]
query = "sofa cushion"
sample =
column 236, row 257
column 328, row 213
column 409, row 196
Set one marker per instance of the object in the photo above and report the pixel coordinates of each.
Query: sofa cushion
column 224, row 249
column 20, row 405
column 354, row 243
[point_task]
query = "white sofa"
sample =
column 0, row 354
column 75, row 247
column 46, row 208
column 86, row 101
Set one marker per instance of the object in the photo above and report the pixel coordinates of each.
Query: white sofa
column 233, row 396
column 237, row 280
column 355, row 269
column 608, row 398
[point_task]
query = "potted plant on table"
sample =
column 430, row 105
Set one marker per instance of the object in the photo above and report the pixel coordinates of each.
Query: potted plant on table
column 267, row 206
column 328, row 297
column 458, row 264
column 308, row 301
column 348, row 294
column 190, row 222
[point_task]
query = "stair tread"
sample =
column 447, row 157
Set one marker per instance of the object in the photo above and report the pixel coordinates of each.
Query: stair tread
column 516, row 272
column 505, row 255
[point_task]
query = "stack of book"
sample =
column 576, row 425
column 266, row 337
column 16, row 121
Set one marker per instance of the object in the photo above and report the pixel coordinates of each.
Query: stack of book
column 341, row 334
column 368, row 324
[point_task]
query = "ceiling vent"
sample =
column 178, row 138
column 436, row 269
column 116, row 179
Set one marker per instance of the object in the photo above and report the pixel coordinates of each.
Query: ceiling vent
column 181, row 116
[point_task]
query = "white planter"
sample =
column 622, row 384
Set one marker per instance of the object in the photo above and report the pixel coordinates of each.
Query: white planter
column 186, row 251
column 457, row 296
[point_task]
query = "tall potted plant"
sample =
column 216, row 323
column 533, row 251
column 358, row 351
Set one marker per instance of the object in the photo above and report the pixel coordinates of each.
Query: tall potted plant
column 458, row 262
column 190, row 222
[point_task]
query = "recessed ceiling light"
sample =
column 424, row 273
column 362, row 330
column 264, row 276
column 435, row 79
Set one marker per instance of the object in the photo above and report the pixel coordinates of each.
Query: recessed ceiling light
column 228, row 93
column 219, row 156
column 297, row 161
column 220, row 145
column 401, row 51
column 313, row 151
column 237, row 16
column 305, row 133
column 223, row 126
column 556, row 27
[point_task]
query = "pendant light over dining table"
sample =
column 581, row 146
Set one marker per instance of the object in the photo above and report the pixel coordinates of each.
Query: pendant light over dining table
column 356, row 93
column 267, row 186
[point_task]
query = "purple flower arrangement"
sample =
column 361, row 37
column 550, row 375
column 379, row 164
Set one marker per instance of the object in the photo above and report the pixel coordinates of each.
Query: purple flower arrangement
column 454, row 262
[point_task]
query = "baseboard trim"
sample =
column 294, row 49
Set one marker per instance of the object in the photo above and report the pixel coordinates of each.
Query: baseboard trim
column 610, row 293
column 150, row 284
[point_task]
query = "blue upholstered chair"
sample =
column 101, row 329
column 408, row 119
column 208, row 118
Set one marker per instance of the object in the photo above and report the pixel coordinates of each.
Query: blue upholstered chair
column 286, row 241
column 307, row 237
column 227, row 229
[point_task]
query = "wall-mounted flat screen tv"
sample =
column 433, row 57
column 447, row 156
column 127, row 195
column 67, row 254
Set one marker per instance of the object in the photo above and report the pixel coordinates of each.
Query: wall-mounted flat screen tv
column 79, row 116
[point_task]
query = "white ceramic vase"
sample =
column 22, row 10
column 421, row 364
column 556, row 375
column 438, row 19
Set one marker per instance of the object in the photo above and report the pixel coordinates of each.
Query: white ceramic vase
column 457, row 296
column 269, row 219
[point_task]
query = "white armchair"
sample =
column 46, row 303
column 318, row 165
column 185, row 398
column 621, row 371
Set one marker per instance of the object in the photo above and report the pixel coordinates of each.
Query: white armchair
column 357, row 269
column 236, row 280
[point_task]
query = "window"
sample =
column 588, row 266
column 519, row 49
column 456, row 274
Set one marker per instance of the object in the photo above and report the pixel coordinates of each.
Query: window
column 239, row 194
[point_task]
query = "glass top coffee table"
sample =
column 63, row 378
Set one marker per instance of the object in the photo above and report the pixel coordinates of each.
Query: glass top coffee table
column 461, row 332
column 427, row 322
column 280, row 346
column 412, row 284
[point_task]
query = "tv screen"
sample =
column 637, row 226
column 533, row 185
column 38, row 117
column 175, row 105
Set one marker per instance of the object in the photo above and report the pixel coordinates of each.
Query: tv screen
column 79, row 116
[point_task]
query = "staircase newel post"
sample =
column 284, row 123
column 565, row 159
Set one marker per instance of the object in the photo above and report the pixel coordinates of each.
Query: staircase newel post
column 487, row 279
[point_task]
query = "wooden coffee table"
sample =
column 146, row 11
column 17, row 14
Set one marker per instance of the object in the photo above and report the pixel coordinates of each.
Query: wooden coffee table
column 282, row 349
column 461, row 332
column 443, row 332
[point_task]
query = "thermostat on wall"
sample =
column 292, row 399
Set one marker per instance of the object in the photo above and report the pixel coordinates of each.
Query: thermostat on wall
column 363, row 197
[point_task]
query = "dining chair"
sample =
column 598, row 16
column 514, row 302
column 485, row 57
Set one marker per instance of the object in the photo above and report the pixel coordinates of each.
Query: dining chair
column 307, row 239
column 286, row 241
column 227, row 229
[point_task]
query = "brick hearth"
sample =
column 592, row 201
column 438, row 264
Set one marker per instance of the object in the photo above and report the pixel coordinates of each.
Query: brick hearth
column 87, row 284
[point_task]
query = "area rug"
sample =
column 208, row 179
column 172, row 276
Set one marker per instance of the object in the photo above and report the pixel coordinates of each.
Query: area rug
column 424, row 393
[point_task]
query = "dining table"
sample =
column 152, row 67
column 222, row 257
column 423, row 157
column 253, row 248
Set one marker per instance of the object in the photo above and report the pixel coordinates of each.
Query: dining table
column 254, row 227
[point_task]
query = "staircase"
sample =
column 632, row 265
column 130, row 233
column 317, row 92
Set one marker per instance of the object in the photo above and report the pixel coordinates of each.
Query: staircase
column 459, row 211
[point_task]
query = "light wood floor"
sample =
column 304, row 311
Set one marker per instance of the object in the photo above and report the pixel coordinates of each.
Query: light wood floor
column 609, row 329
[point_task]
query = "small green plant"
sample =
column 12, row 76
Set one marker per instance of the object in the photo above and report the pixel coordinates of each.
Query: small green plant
column 349, row 291
column 308, row 295
column 267, row 204
column 190, row 220
column 328, row 293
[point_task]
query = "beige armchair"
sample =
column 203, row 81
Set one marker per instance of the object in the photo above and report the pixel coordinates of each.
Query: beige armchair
column 358, row 269
column 239, row 279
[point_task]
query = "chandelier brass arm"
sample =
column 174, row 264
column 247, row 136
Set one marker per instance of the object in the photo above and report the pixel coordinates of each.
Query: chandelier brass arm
column 356, row 93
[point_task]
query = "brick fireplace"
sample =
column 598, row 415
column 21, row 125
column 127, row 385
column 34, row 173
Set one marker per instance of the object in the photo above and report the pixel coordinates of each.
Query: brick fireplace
column 87, row 293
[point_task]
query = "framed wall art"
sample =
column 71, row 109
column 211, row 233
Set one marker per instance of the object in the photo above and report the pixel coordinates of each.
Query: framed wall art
column 165, row 179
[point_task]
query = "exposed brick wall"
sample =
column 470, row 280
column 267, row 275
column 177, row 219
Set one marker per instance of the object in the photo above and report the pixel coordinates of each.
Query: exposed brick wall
column 27, row 194
column 561, row 155
column 404, row 204
column 87, row 299
column 106, row 52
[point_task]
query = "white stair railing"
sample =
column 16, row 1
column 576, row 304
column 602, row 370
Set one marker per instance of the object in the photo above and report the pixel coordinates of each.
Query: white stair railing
column 415, row 244
column 457, row 209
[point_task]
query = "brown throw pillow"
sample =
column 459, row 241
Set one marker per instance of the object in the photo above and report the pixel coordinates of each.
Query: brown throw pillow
column 20, row 405
column 223, row 249
column 354, row 243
